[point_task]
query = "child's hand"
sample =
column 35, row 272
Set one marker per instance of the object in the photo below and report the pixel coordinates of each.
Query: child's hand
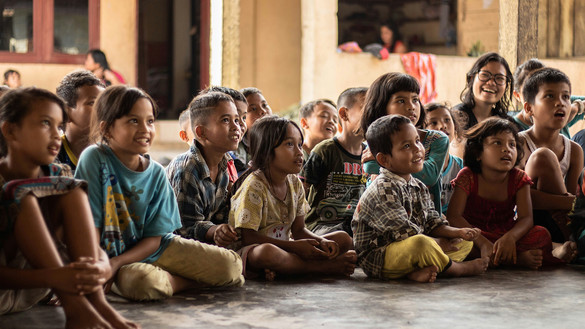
column 367, row 155
column 309, row 249
column 224, row 235
column 469, row 234
column 331, row 248
column 79, row 278
column 505, row 250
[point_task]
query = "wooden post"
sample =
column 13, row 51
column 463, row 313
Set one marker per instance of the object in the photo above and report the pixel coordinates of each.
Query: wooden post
column 567, row 23
column 543, row 29
column 518, row 37
column 579, row 28
column 231, row 44
column 554, row 29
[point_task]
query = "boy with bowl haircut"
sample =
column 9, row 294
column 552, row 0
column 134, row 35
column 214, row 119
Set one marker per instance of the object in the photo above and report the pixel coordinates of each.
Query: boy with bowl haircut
column 395, row 220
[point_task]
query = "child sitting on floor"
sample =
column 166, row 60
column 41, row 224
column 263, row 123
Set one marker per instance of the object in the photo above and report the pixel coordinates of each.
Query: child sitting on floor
column 79, row 90
column 439, row 117
column 42, row 208
column 333, row 173
column 135, row 210
column 319, row 122
column 200, row 177
column 269, row 208
column 553, row 161
column 395, row 221
column 493, row 195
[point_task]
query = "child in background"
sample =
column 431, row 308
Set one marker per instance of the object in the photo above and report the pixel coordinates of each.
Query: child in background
column 134, row 207
column 319, row 122
column 186, row 133
column 269, row 208
column 552, row 160
column 397, row 93
column 257, row 108
column 439, row 117
column 488, row 91
column 333, row 172
column 12, row 79
column 524, row 120
column 395, row 220
column 38, row 201
column 79, row 89
column 4, row 89
column 237, row 166
column 492, row 152
column 200, row 176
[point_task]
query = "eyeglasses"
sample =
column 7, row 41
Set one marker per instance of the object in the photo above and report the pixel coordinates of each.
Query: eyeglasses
column 486, row 76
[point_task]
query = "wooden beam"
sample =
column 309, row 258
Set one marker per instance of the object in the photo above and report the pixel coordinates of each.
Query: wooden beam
column 518, row 30
column 542, row 29
column 554, row 29
column 579, row 48
column 566, row 28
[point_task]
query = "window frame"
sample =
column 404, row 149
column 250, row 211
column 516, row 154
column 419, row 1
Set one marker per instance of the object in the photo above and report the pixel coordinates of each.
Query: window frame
column 43, row 36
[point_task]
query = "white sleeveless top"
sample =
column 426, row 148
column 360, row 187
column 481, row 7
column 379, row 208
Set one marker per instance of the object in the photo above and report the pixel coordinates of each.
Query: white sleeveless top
column 565, row 161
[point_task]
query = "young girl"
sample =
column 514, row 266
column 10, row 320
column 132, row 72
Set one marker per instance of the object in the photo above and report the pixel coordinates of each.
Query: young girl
column 492, row 151
column 42, row 208
column 552, row 160
column 488, row 91
column 269, row 207
column 439, row 117
column 135, row 210
column 397, row 93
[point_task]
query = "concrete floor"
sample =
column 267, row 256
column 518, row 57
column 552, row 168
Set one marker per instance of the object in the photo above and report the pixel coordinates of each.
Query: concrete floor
column 504, row 298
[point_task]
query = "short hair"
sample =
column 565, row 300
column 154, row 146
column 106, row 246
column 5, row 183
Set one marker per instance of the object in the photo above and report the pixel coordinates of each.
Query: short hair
column 380, row 93
column 250, row 91
column 67, row 88
column 112, row 104
column 467, row 96
column 524, row 70
column 540, row 77
column 9, row 72
column 430, row 107
column 477, row 134
column 17, row 103
column 202, row 106
column 236, row 95
column 379, row 134
column 350, row 96
column 307, row 109
column 184, row 118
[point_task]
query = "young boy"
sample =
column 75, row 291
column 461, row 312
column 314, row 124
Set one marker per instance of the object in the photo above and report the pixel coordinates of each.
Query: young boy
column 12, row 79
column 257, row 108
column 395, row 220
column 186, row 133
column 319, row 122
column 79, row 89
column 333, row 173
column 200, row 176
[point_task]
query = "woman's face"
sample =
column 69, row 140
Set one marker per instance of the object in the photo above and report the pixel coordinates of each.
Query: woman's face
column 491, row 90
column 386, row 35
column 90, row 64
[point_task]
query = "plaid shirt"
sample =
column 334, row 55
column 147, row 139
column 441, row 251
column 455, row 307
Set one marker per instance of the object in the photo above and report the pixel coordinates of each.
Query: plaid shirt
column 390, row 210
column 202, row 203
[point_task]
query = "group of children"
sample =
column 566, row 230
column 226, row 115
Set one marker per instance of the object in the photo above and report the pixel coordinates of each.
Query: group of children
column 259, row 195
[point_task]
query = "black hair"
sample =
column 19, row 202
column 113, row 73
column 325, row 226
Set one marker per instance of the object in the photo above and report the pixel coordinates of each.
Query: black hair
column 467, row 96
column 99, row 57
column 380, row 93
column 477, row 134
column 266, row 134
column 379, row 134
column 250, row 91
column 524, row 70
column 350, row 96
column 67, row 88
column 430, row 107
column 307, row 109
column 540, row 77
column 236, row 95
column 17, row 104
column 202, row 106
column 114, row 103
column 8, row 73
column 184, row 117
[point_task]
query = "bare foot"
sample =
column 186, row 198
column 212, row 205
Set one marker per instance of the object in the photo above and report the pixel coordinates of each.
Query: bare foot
column 531, row 259
column 567, row 251
column 342, row 265
column 269, row 274
column 79, row 313
column 116, row 320
column 424, row 275
column 468, row 268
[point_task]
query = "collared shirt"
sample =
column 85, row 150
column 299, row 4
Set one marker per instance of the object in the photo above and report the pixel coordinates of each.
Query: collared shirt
column 391, row 209
column 202, row 202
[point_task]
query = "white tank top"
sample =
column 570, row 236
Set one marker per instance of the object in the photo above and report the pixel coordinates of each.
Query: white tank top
column 565, row 161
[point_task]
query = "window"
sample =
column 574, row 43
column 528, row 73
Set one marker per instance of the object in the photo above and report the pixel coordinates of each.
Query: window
column 48, row 31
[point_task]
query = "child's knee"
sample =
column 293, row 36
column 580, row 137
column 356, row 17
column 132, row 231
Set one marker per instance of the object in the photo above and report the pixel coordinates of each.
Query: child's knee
column 266, row 255
column 343, row 239
column 543, row 159
column 142, row 282
column 229, row 269
column 422, row 243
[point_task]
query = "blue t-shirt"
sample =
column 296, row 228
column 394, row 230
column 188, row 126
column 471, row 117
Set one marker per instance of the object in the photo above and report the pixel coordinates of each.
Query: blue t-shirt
column 127, row 205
